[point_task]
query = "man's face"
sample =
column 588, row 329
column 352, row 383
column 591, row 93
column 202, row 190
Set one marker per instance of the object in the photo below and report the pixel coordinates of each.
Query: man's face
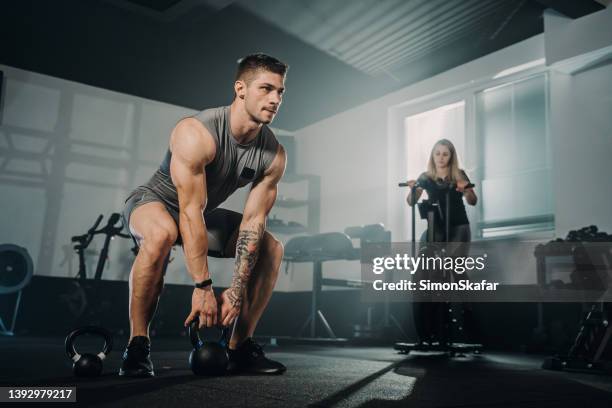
column 263, row 96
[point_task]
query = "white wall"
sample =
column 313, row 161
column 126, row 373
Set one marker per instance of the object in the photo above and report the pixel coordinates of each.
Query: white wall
column 567, row 38
column 581, row 125
column 580, row 52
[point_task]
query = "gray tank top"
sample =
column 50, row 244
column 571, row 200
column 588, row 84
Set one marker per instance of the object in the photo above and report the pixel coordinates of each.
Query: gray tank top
column 235, row 165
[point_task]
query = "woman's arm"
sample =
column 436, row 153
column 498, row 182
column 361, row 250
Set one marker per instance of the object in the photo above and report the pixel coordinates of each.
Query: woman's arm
column 418, row 193
column 470, row 196
column 419, row 190
column 468, row 193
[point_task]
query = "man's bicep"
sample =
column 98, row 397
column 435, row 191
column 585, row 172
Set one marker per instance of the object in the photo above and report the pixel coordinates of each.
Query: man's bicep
column 190, row 154
column 190, row 184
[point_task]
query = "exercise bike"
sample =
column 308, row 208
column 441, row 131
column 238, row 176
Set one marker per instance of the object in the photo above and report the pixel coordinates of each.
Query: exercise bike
column 438, row 323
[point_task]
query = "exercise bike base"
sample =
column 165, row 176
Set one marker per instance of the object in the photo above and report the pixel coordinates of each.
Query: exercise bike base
column 453, row 348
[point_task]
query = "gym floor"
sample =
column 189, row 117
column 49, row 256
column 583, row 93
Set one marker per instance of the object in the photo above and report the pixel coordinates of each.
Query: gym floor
column 322, row 376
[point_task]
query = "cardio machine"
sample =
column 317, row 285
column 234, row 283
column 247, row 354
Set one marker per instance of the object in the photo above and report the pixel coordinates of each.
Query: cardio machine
column 84, row 301
column 438, row 324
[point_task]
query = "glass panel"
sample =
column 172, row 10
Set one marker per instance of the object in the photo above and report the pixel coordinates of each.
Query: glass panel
column 511, row 132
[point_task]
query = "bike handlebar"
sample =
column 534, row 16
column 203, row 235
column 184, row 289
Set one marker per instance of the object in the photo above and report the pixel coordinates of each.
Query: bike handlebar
column 109, row 229
column 98, row 221
column 451, row 185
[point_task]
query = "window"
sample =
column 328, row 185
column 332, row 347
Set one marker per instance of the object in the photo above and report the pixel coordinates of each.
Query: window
column 513, row 156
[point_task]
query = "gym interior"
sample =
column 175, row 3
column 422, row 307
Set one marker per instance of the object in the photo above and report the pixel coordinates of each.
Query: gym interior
column 521, row 89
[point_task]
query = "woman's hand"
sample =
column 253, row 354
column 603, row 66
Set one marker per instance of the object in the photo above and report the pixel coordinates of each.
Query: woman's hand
column 468, row 192
column 461, row 185
column 418, row 191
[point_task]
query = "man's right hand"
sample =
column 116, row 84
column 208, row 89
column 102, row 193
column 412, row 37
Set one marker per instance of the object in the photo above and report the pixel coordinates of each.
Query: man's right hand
column 203, row 306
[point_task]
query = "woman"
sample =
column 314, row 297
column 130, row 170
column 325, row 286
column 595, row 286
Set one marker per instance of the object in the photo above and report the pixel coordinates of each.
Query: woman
column 443, row 169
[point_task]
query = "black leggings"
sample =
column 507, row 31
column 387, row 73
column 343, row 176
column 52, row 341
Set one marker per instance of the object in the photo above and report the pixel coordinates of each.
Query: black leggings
column 430, row 317
column 457, row 233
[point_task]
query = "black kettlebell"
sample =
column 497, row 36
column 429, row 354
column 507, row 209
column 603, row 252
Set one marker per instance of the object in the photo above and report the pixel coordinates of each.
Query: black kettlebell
column 207, row 358
column 87, row 364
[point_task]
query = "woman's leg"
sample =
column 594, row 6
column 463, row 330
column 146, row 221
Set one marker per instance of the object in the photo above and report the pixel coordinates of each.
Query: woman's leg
column 462, row 234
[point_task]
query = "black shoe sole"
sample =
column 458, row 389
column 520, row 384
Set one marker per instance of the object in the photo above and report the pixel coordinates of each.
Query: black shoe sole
column 138, row 373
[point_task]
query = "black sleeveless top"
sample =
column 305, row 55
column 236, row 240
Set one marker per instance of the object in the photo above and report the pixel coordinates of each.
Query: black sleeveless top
column 458, row 216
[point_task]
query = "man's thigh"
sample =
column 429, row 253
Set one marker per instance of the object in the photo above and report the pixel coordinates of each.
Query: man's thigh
column 222, row 226
column 144, row 212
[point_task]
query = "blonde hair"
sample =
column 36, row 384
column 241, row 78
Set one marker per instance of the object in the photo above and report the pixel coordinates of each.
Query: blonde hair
column 453, row 162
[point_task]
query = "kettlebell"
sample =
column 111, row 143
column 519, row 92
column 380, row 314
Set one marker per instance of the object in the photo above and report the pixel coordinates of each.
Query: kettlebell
column 207, row 358
column 87, row 364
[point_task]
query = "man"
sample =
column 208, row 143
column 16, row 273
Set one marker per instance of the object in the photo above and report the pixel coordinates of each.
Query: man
column 210, row 155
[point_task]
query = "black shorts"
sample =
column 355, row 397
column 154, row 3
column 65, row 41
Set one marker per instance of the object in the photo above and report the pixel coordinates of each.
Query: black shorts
column 221, row 224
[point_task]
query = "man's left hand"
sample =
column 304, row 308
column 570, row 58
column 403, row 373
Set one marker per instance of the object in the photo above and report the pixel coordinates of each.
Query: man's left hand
column 229, row 307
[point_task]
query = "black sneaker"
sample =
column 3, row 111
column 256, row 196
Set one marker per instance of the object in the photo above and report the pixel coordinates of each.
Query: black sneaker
column 249, row 358
column 137, row 359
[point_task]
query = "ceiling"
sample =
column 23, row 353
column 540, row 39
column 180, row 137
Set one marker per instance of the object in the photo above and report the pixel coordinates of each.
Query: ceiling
column 383, row 38
column 342, row 53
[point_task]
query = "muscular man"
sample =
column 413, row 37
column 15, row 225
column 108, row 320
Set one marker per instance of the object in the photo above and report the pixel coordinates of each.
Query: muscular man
column 210, row 155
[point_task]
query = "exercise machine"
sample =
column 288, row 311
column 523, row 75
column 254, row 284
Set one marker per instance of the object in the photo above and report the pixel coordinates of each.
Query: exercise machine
column 82, row 300
column 437, row 323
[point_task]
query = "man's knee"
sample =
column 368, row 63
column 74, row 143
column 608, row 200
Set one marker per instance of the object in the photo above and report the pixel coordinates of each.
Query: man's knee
column 158, row 241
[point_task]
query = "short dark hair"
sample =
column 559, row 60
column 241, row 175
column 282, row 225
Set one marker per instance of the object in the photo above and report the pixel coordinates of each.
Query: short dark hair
column 252, row 63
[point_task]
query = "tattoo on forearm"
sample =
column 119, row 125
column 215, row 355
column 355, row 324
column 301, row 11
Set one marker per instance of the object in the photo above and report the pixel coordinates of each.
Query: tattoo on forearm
column 247, row 252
